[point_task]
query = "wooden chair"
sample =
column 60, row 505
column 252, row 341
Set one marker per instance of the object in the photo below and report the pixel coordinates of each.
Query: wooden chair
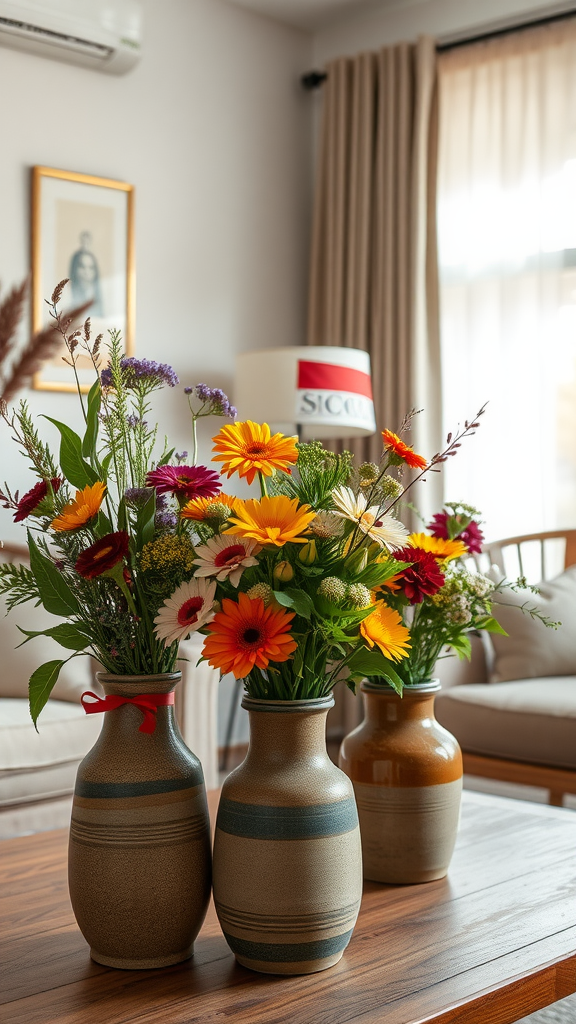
column 542, row 553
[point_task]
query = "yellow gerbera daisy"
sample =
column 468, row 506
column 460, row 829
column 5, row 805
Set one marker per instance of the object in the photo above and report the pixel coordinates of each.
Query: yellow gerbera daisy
column 444, row 549
column 384, row 628
column 249, row 448
column 202, row 508
column 272, row 520
column 82, row 509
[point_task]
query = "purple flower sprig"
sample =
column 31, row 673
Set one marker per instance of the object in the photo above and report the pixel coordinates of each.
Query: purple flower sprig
column 213, row 402
column 141, row 375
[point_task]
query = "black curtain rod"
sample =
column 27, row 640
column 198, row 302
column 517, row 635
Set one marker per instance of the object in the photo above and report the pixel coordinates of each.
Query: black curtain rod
column 482, row 36
column 314, row 79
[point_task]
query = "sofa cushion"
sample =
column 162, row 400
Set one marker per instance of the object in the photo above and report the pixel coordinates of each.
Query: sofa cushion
column 531, row 649
column 42, row 765
column 530, row 720
column 16, row 666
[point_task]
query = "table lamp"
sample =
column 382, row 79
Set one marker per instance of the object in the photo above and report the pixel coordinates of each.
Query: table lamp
column 321, row 391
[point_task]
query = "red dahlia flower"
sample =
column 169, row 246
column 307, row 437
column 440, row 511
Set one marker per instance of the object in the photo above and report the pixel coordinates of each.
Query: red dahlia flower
column 471, row 534
column 103, row 555
column 421, row 579
column 29, row 501
column 185, row 481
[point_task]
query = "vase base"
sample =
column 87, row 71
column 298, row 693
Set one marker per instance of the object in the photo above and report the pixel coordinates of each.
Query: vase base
column 416, row 878
column 304, row 967
column 141, row 964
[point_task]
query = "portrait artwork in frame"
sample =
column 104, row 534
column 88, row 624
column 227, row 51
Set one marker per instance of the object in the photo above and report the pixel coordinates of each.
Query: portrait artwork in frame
column 82, row 229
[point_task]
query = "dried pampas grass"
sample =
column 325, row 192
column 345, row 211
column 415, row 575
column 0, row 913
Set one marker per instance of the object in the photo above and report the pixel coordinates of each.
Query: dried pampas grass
column 11, row 310
column 42, row 346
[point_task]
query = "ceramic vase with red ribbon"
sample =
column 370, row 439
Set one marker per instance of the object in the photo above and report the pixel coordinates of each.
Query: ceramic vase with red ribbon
column 139, row 855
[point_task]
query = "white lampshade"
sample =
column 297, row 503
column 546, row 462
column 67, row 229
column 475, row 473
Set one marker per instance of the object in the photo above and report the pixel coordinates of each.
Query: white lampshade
column 321, row 391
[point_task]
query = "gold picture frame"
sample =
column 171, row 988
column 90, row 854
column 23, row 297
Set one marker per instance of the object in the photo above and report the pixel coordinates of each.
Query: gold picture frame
column 82, row 228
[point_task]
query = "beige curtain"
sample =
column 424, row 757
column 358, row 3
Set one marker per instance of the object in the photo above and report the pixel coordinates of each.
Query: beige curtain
column 507, row 245
column 373, row 264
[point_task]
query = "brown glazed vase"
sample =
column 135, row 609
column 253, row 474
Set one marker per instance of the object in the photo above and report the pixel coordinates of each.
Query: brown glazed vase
column 287, row 855
column 407, row 775
column 139, row 852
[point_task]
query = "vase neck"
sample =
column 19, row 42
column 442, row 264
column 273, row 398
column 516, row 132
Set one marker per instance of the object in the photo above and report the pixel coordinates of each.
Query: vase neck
column 287, row 736
column 386, row 707
column 125, row 721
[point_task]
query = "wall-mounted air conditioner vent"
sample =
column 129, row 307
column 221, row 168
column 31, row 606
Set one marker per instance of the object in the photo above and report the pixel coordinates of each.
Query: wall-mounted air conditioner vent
column 102, row 34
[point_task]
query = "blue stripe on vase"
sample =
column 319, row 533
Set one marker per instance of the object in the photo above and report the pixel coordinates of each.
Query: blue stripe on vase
column 256, row 821
column 118, row 790
column 289, row 952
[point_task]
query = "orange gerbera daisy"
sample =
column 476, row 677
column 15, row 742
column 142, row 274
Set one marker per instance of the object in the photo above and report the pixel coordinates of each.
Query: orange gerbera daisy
column 400, row 452
column 384, row 628
column 202, row 508
column 273, row 520
column 249, row 448
column 82, row 509
column 247, row 635
column 437, row 546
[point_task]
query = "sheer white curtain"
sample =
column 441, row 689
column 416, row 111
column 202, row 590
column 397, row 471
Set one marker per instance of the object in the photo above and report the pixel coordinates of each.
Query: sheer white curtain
column 507, row 248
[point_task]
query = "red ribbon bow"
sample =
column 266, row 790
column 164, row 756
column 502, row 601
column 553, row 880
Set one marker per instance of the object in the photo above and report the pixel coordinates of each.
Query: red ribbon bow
column 147, row 703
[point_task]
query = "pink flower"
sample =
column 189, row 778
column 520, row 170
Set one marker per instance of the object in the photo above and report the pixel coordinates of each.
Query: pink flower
column 185, row 481
column 471, row 535
column 226, row 557
column 186, row 610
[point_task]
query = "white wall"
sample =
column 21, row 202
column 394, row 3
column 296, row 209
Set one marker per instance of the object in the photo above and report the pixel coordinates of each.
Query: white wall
column 213, row 129
column 388, row 23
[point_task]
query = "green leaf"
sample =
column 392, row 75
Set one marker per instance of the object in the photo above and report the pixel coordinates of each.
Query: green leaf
column 373, row 663
column 122, row 515
column 461, row 646
column 283, row 598
column 301, row 602
column 56, row 595
column 378, row 572
column 145, row 522
column 166, row 458
column 41, row 684
column 105, row 464
column 490, row 625
column 311, row 570
column 103, row 525
column 91, row 433
column 78, row 472
column 65, row 633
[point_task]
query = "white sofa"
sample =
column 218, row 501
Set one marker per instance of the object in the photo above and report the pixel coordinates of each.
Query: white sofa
column 38, row 769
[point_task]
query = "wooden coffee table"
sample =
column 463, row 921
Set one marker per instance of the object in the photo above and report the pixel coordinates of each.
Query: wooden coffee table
column 493, row 942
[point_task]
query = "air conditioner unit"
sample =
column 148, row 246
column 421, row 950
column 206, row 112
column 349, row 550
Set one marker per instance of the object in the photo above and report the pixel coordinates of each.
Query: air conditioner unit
column 105, row 35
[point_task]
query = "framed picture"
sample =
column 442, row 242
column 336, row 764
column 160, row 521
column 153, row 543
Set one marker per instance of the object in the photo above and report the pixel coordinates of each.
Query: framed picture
column 82, row 229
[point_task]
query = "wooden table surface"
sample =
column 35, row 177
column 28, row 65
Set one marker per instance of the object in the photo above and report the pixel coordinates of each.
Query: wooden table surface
column 493, row 942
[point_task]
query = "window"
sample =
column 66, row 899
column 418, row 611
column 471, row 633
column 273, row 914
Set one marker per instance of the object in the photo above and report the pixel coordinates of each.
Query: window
column 507, row 252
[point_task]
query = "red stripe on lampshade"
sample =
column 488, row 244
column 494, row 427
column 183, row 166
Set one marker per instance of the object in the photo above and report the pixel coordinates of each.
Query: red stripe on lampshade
column 331, row 377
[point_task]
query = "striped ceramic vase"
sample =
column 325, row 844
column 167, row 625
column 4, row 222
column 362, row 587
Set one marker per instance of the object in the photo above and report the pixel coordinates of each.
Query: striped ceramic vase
column 287, row 859
column 139, row 853
column 407, row 775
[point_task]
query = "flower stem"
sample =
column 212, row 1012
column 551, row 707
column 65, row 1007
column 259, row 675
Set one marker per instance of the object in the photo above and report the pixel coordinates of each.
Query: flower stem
column 194, row 440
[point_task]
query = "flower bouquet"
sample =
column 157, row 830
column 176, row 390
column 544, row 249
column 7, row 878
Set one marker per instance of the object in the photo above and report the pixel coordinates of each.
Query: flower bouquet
column 106, row 541
column 108, row 548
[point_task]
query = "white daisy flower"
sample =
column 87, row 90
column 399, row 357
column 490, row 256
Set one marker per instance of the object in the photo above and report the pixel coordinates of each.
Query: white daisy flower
column 226, row 557
column 384, row 529
column 185, row 611
column 326, row 525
